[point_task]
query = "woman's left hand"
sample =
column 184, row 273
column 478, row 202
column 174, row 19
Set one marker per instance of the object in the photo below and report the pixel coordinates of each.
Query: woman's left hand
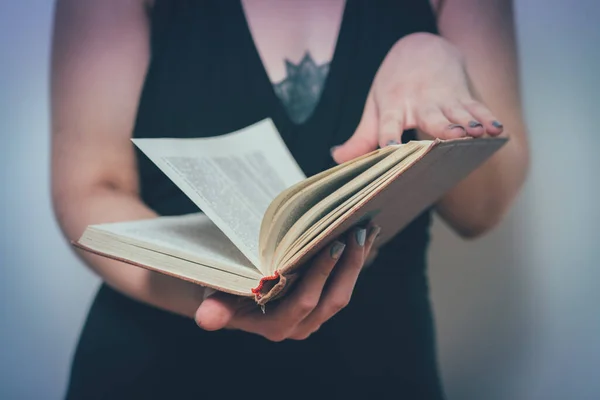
column 422, row 84
column 324, row 289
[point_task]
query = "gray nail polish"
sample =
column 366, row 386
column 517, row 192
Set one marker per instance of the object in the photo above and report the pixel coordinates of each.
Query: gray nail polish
column 454, row 126
column 475, row 124
column 361, row 236
column 392, row 142
column 497, row 124
column 374, row 232
column 336, row 250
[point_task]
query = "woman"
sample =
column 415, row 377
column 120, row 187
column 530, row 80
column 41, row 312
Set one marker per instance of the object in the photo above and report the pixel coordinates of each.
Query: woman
column 356, row 75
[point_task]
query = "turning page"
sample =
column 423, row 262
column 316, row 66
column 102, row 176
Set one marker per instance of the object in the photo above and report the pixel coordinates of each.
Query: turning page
column 232, row 178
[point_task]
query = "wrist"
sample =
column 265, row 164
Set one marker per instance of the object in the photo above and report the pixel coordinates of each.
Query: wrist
column 174, row 295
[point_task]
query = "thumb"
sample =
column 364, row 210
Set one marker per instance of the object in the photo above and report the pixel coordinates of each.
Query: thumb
column 363, row 140
column 216, row 311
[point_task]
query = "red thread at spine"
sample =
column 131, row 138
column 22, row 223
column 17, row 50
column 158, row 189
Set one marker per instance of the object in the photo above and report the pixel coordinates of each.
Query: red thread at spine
column 263, row 280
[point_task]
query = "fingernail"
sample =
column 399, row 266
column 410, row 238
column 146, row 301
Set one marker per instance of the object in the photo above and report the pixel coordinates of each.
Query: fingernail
column 336, row 250
column 392, row 142
column 208, row 292
column 361, row 236
column 497, row 124
column 375, row 230
column 456, row 126
column 475, row 124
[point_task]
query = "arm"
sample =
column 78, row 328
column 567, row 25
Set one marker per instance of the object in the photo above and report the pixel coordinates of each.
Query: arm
column 99, row 59
column 454, row 85
column 484, row 34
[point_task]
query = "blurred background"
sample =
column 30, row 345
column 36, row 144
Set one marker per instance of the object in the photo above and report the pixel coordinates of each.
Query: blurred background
column 517, row 312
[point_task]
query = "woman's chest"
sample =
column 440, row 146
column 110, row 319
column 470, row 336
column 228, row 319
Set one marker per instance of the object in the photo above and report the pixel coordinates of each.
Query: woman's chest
column 286, row 32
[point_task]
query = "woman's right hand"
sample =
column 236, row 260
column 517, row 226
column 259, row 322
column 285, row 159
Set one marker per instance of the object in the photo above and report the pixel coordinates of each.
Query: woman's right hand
column 321, row 293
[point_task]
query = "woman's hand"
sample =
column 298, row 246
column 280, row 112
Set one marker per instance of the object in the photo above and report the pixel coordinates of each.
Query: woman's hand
column 422, row 84
column 308, row 306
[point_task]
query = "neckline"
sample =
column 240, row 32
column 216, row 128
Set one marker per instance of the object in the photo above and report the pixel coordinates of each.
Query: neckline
column 330, row 80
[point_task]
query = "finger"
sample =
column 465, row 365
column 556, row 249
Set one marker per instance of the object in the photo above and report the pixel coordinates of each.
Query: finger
column 342, row 282
column 492, row 126
column 306, row 296
column 370, row 252
column 282, row 321
column 364, row 138
column 433, row 122
column 391, row 126
column 371, row 257
column 216, row 311
column 373, row 232
column 457, row 114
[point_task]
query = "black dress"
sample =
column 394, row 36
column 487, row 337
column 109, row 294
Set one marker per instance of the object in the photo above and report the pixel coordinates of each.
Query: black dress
column 206, row 78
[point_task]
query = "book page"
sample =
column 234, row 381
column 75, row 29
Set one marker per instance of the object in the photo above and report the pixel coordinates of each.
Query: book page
column 232, row 178
column 192, row 237
column 397, row 197
column 342, row 194
column 296, row 201
column 330, row 214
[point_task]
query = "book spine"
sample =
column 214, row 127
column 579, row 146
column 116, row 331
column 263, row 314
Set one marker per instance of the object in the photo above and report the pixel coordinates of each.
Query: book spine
column 262, row 282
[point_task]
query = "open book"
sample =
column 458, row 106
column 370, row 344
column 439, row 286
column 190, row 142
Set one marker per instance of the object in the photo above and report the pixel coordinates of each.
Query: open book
column 262, row 219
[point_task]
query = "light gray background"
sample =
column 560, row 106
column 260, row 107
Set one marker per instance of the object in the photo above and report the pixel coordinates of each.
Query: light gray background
column 517, row 311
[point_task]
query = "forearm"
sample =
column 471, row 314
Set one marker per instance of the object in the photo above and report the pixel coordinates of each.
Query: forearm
column 479, row 202
column 110, row 205
column 483, row 32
